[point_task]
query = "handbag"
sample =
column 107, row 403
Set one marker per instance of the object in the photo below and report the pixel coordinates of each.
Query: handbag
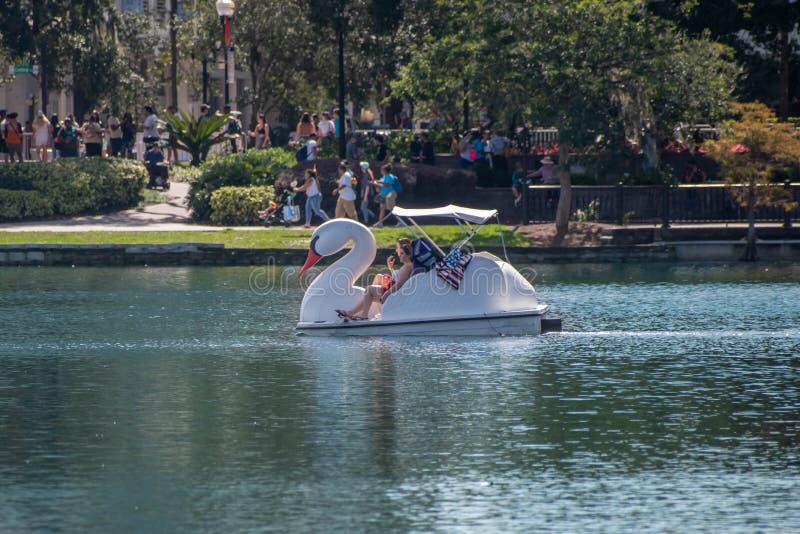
column 379, row 199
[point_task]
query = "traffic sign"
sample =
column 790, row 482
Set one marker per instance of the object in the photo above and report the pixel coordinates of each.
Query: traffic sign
column 24, row 69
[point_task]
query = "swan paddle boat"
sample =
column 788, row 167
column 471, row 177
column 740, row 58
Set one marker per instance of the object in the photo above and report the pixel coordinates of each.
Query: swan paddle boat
column 460, row 294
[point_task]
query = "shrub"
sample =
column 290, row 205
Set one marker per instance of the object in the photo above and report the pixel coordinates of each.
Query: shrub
column 196, row 135
column 72, row 186
column 254, row 167
column 23, row 204
column 399, row 143
column 239, row 206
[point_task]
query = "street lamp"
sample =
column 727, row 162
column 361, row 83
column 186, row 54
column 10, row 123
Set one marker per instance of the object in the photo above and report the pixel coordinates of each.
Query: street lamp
column 341, row 27
column 225, row 10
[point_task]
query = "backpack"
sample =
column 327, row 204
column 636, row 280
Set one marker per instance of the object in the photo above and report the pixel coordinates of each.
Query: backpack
column 398, row 187
column 234, row 127
column 301, row 154
column 424, row 255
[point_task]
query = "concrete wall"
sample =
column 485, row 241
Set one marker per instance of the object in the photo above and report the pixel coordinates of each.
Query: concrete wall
column 217, row 255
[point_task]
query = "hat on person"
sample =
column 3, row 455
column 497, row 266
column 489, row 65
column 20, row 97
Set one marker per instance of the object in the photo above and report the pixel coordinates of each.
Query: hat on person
column 40, row 113
column 12, row 115
column 364, row 164
column 547, row 160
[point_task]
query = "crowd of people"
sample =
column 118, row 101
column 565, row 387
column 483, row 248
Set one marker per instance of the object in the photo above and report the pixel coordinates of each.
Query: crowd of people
column 353, row 189
column 63, row 138
column 360, row 197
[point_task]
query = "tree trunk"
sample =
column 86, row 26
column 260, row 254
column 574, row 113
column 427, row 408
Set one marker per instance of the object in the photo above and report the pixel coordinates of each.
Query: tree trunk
column 466, row 104
column 783, row 108
column 258, row 101
column 750, row 253
column 173, row 46
column 342, row 111
column 565, row 196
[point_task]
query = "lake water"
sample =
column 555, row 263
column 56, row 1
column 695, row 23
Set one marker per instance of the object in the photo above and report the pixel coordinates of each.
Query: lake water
column 180, row 400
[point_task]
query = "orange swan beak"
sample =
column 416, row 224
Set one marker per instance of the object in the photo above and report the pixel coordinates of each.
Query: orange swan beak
column 311, row 260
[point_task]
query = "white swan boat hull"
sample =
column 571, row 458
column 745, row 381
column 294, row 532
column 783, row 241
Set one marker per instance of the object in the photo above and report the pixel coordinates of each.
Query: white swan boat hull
column 518, row 323
column 488, row 297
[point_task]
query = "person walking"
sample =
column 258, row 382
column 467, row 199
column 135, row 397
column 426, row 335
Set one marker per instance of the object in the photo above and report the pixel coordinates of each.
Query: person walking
column 12, row 132
column 261, row 132
column 313, row 197
column 128, row 128
column 339, row 125
column 304, row 128
column 92, row 133
column 150, row 132
column 388, row 193
column 55, row 125
column 367, row 191
column 42, row 135
column 498, row 146
column 3, row 145
column 115, row 141
column 325, row 128
column 346, row 204
column 67, row 138
column 233, row 128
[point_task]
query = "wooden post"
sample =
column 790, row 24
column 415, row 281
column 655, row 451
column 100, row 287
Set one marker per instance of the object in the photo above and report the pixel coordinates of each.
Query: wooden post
column 665, row 207
column 787, row 215
column 620, row 201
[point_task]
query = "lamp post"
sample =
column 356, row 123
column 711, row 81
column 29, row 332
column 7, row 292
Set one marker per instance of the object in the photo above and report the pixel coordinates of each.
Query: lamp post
column 341, row 27
column 225, row 10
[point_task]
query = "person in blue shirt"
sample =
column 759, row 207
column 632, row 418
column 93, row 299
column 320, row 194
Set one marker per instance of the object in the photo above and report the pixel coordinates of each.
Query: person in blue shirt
column 152, row 158
column 388, row 193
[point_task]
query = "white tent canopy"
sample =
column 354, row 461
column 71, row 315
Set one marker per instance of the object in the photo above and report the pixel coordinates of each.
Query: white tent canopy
column 465, row 214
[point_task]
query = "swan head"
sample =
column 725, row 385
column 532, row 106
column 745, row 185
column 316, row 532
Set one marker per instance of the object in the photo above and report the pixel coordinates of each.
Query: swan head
column 331, row 237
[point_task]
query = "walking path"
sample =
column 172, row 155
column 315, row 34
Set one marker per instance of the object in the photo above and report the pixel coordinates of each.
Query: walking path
column 172, row 215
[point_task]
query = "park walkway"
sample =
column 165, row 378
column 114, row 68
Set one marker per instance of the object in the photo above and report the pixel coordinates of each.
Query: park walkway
column 171, row 215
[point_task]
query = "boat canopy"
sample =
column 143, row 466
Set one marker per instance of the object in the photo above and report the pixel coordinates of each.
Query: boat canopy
column 470, row 215
column 464, row 217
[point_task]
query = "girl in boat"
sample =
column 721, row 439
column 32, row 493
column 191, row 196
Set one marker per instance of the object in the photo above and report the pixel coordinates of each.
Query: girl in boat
column 383, row 285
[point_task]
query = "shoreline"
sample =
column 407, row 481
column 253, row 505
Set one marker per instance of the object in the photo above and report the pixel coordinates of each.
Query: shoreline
column 212, row 254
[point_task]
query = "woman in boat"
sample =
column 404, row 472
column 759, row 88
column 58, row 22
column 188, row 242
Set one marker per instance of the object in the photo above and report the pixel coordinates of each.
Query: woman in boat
column 383, row 285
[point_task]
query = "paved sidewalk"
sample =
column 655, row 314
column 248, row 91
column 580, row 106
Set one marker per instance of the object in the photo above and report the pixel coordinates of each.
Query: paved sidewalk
column 172, row 215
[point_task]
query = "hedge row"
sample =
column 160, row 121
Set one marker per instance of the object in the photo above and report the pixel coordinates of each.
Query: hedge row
column 239, row 206
column 70, row 187
column 251, row 168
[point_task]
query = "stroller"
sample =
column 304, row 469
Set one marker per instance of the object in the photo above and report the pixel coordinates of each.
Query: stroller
column 285, row 211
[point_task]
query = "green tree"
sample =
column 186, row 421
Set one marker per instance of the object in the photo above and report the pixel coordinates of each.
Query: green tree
column 137, row 37
column 762, row 32
column 753, row 147
column 599, row 71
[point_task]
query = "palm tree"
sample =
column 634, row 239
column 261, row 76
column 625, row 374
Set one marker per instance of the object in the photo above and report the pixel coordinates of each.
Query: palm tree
column 196, row 135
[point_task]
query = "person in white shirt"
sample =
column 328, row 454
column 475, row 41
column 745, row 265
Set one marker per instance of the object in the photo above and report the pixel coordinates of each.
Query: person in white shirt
column 325, row 126
column 311, row 147
column 150, row 134
column 313, row 197
column 346, row 205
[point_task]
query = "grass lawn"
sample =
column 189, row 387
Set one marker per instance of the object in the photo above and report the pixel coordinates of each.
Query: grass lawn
column 444, row 236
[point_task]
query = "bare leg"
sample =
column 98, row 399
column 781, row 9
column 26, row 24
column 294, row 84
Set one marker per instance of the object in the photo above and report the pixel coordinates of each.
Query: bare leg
column 362, row 309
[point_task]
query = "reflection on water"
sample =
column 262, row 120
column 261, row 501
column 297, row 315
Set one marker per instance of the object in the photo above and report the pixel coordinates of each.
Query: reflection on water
column 180, row 399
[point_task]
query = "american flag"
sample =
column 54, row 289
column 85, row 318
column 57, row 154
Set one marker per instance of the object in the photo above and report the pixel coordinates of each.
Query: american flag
column 451, row 268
